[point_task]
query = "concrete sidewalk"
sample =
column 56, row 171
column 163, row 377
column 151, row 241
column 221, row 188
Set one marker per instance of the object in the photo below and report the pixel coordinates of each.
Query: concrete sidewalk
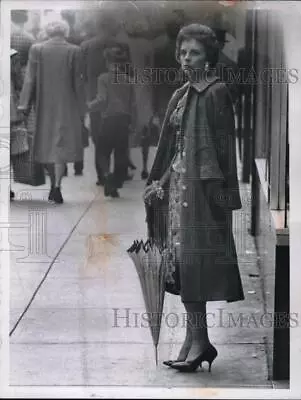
column 77, row 307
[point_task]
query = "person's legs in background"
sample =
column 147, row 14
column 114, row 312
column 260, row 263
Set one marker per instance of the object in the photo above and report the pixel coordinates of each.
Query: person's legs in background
column 104, row 149
column 56, row 173
column 78, row 168
column 79, row 165
column 121, row 149
column 95, row 126
column 145, row 152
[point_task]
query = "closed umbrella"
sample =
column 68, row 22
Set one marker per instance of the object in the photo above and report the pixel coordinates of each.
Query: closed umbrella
column 148, row 261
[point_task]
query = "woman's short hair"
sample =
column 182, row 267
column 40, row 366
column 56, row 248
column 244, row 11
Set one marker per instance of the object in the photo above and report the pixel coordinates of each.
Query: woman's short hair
column 57, row 28
column 202, row 34
column 19, row 16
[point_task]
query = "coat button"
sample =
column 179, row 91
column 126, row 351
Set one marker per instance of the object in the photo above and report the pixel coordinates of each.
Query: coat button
column 184, row 187
column 185, row 204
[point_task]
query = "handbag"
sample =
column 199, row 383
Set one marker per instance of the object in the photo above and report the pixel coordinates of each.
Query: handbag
column 25, row 169
column 172, row 273
column 18, row 139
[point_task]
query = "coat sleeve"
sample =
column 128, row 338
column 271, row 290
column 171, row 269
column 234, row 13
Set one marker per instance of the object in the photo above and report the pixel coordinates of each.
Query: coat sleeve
column 222, row 124
column 100, row 101
column 30, row 79
column 165, row 142
column 133, row 104
column 78, row 80
column 84, row 55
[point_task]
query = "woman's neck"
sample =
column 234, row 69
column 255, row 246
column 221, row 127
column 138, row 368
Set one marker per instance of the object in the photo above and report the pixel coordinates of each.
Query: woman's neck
column 201, row 75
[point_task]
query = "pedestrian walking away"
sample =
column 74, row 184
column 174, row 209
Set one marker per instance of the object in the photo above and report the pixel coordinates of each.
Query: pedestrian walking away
column 54, row 82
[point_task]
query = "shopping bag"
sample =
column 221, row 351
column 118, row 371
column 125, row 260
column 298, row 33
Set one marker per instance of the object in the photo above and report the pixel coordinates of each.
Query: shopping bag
column 26, row 170
column 18, row 139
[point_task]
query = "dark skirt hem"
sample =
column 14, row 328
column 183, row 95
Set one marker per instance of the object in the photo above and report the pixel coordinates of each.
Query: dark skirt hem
column 228, row 300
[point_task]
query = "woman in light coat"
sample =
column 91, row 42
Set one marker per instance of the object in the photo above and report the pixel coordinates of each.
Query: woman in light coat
column 53, row 81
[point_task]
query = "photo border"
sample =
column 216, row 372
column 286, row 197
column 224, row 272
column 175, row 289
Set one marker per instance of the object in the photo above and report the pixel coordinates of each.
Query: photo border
column 293, row 43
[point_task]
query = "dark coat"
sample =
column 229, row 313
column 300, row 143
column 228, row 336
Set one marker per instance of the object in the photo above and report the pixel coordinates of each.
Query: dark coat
column 227, row 70
column 208, row 261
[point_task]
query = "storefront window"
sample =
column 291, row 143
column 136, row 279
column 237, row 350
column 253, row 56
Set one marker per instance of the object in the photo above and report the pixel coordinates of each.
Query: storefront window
column 271, row 128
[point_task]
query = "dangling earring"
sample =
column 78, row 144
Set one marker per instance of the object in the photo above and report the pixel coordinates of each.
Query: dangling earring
column 206, row 66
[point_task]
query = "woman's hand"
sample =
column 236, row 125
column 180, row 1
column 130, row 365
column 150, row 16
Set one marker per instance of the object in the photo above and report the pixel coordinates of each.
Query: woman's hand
column 25, row 111
column 148, row 194
column 153, row 192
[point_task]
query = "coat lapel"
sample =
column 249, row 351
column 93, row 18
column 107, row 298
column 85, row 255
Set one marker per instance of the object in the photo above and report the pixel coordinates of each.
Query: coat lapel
column 164, row 145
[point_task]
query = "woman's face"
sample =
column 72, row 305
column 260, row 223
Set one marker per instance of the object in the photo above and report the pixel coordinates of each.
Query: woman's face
column 192, row 56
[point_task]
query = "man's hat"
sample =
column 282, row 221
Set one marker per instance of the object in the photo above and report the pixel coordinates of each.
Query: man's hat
column 220, row 35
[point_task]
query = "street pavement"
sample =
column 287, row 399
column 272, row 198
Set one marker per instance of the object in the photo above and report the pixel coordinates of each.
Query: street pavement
column 76, row 306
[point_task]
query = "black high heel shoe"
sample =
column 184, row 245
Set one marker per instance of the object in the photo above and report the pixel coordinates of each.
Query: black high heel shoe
column 168, row 363
column 208, row 355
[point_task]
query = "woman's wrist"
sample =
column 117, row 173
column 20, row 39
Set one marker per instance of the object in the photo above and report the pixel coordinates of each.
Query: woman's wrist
column 158, row 189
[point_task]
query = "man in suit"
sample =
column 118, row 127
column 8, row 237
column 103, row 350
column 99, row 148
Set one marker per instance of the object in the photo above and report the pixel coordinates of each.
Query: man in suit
column 226, row 68
column 20, row 39
column 164, row 60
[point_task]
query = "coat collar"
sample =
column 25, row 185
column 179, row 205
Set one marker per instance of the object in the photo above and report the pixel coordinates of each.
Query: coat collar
column 200, row 86
column 57, row 39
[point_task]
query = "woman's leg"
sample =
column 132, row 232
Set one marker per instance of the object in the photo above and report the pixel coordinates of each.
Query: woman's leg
column 196, row 319
column 105, row 144
column 56, row 173
column 186, row 345
column 59, row 169
column 145, row 152
column 50, row 170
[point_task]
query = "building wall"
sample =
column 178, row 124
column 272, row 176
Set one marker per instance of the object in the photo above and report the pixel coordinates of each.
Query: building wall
column 273, row 245
column 265, row 240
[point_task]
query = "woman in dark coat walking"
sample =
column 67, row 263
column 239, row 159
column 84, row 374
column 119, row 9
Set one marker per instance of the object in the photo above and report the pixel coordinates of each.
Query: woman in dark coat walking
column 193, row 189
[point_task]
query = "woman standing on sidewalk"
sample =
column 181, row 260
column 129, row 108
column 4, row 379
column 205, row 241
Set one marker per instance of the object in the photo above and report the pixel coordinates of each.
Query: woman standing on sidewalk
column 196, row 163
column 53, row 81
